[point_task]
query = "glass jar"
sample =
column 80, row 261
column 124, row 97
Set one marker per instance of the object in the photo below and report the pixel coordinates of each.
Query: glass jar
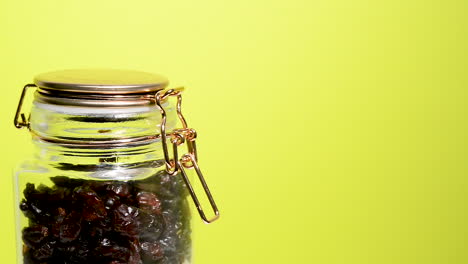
column 102, row 185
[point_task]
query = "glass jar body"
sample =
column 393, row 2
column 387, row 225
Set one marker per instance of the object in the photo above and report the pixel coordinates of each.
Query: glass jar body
column 99, row 204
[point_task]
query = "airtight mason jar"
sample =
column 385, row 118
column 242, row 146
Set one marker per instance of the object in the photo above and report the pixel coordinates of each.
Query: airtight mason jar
column 108, row 180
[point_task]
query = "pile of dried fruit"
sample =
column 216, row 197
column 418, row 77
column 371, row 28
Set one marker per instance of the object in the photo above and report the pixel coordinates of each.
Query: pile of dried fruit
column 114, row 222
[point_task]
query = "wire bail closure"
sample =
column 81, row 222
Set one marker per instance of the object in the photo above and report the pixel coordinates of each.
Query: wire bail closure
column 188, row 160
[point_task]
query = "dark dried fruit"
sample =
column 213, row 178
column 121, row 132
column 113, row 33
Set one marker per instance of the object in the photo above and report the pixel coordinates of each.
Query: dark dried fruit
column 70, row 228
column 119, row 188
column 109, row 248
column 151, row 226
column 148, row 201
column 23, row 205
column 112, row 201
column 34, row 235
column 44, row 252
column 93, row 207
column 152, row 250
column 135, row 257
column 125, row 220
column 135, row 222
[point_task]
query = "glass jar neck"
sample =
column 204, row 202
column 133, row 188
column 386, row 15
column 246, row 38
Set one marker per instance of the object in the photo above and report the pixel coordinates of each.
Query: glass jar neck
column 126, row 162
column 103, row 143
column 91, row 124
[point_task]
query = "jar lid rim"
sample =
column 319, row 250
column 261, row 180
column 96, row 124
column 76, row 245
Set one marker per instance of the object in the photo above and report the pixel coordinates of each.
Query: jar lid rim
column 101, row 81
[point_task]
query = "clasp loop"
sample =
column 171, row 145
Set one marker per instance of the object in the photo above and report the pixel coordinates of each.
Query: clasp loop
column 191, row 158
column 171, row 166
column 23, row 122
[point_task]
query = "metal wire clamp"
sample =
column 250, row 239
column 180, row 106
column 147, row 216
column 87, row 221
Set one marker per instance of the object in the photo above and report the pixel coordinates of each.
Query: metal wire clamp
column 187, row 161
column 24, row 122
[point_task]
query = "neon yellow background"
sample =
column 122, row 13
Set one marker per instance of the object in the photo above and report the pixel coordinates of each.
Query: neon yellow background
column 330, row 131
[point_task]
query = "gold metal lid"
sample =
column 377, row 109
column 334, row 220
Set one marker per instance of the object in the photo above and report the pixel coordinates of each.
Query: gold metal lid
column 98, row 87
column 100, row 81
